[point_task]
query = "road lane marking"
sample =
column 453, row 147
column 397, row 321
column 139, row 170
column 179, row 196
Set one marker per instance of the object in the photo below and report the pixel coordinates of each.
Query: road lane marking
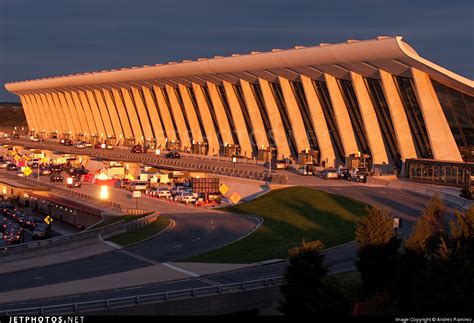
column 184, row 271
column 41, row 277
column 134, row 255
column 198, row 238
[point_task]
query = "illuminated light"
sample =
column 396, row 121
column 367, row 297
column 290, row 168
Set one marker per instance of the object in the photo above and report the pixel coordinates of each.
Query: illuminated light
column 102, row 146
column 4, row 190
column 104, row 192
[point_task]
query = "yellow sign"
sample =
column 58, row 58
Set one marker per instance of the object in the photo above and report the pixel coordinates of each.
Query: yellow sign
column 235, row 198
column 17, row 158
column 48, row 220
column 223, row 189
column 26, row 157
column 27, row 171
column 44, row 160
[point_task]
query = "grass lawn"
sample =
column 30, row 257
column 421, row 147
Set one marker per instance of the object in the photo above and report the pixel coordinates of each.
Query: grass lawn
column 290, row 215
column 128, row 238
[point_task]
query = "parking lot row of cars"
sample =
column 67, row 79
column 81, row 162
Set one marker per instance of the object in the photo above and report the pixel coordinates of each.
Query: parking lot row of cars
column 13, row 224
column 358, row 174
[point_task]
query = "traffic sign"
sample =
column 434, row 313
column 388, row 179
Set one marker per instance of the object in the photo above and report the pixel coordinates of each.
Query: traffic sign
column 137, row 194
column 48, row 220
column 223, row 189
column 26, row 157
column 235, row 198
column 44, row 160
column 17, row 158
column 27, row 171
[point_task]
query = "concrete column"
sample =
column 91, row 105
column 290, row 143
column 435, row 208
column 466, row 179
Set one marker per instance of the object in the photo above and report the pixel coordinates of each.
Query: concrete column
column 443, row 145
column 47, row 124
column 294, row 115
column 369, row 118
column 87, row 113
column 222, row 121
column 59, row 111
column 63, row 111
column 77, row 113
column 154, row 116
column 405, row 141
column 239, row 121
column 105, row 115
column 55, row 115
column 120, row 112
column 191, row 113
column 33, row 112
column 165, row 114
column 178, row 117
column 343, row 121
column 142, row 114
column 208, row 124
column 29, row 118
column 320, row 126
column 278, row 131
column 74, row 121
column 95, row 112
column 256, row 121
column 132, row 115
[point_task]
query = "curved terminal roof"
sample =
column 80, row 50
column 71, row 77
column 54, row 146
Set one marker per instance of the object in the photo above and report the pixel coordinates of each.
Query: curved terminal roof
column 365, row 57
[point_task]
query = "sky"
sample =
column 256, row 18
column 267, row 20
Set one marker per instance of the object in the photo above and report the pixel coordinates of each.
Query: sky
column 42, row 38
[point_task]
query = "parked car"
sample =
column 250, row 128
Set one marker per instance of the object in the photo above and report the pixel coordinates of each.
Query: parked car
column 73, row 181
column 44, row 170
column 329, row 173
column 75, row 172
column 281, row 164
column 12, row 167
column 137, row 149
column 173, row 154
column 359, row 174
column 55, row 177
column 163, row 192
column 35, row 139
column 80, row 144
column 306, row 170
column 186, row 197
column 3, row 165
column 16, row 136
column 215, row 197
column 42, row 231
column 138, row 186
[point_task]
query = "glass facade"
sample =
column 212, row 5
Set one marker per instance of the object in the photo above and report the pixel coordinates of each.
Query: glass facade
column 415, row 117
column 459, row 111
column 298, row 92
column 278, row 95
column 240, row 97
column 383, row 116
column 207, row 97
column 328, row 111
column 257, row 91
column 352, row 105
column 196, row 110
column 225, row 104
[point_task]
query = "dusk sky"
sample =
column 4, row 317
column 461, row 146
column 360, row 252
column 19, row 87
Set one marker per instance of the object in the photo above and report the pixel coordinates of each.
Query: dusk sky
column 41, row 38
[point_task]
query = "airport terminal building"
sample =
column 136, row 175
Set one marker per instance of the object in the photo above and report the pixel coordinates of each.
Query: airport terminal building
column 376, row 98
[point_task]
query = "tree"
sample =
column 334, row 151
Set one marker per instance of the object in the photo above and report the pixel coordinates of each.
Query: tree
column 377, row 250
column 306, row 289
column 438, row 275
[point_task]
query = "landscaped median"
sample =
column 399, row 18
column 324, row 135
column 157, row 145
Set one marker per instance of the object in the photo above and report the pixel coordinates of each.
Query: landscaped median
column 290, row 216
column 148, row 231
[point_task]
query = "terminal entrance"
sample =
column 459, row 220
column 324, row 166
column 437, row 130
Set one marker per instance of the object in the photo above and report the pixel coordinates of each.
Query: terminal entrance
column 230, row 150
column 173, row 145
column 199, row 148
column 359, row 160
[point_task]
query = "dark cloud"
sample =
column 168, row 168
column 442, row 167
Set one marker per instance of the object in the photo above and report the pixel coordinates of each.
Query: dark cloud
column 56, row 37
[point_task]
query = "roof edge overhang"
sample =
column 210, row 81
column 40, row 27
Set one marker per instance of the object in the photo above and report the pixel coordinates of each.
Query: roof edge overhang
column 382, row 48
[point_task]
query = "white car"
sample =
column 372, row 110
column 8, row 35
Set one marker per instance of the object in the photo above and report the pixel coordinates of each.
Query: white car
column 329, row 174
column 186, row 198
column 35, row 139
column 163, row 192
column 80, row 145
